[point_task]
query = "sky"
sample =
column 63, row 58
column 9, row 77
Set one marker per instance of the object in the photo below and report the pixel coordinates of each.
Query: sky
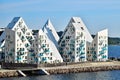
column 96, row 14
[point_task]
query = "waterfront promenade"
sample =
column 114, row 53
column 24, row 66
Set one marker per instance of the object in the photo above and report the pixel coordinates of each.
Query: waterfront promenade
column 85, row 64
column 84, row 67
column 68, row 68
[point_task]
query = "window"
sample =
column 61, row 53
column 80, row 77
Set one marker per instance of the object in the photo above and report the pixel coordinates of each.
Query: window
column 82, row 28
column 25, row 57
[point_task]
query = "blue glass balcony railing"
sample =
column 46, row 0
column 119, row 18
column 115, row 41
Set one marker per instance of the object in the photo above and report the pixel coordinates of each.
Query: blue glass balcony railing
column 70, row 52
column 104, row 48
column 104, row 56
column 27, row 45
column 82, row 53
column 21, row 49
column 82, row 57
column 47, row 50
column 19, row 58
column 32, row 54
column 36, row 59
column 10, row 54
column 62, row 45
column 31, row 50
column 44, row 59
column 92, row 49
column 101, row 52
column 43, row 45
column 40, row 54
column 94, row 56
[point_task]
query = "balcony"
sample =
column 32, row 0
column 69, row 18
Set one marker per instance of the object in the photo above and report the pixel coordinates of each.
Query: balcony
column 82, row 53
column 94, row 56
column 36, row 59
column 44, row 59
column 27, row 45
column 19, row 58
column 72, row 45
column 104, row 56
column 22, row 38
column 10, row 54
column 31, row 50
column 46, row 50
column 70, row 53
column 62, row 45
column 101, row 52
column 21, row 49
column 104, row 48
column 60, row 49
column 81, row 57
column 92, row 49
column 40, row 54
column 21, row 53
column 43, row 45
column 93, row 52
column 82, row 45
column 33, row 54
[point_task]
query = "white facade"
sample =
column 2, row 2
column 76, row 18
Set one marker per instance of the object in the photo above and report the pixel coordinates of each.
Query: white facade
column 98, row 49
column 72, row 44
column 17, row 41
column 50, row 31
column 77, row 44
column 43, row 50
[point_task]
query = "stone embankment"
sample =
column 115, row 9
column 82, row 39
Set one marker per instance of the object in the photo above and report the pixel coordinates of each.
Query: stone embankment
column 67, row 68
column 82, row 69
column 8, row 73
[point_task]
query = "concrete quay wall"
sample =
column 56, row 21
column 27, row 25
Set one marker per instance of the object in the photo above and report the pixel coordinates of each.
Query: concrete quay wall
column 82, row 69
column 8, row 73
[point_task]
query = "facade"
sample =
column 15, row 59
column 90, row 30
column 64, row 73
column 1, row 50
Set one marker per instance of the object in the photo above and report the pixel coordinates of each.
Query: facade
column 2, row 55
column 72, row 44
column 43, row 50
column 18, row 40
column 50, row 31
column 77, row 44
column 19, row 44
column 98, row 49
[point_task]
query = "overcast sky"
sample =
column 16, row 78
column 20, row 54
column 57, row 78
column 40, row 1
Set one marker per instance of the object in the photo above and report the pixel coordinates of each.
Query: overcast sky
column 96, row 14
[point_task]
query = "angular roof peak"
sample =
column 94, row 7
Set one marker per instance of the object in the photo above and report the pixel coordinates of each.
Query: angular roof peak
column 48, row 21
column 49, row 29
column 75, row 19
column 48, row 24
column 78, row 23
column 13, row 22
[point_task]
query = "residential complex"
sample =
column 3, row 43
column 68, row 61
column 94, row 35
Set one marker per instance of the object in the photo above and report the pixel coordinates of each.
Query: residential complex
column 77, row 45
column 51, row 32
column 98, row 49
column 19, row 44
column 43, row 50
column 72, row 44
column 18, row 41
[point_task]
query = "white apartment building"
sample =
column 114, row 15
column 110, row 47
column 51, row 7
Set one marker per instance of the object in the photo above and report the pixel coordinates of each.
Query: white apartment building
column 98, row 49
column 43, row 50
column 50, row 31
column 18, row 39
column 72, row 44
column 77, row 45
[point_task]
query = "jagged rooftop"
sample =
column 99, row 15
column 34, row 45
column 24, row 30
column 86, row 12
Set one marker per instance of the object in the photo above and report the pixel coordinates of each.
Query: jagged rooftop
column 77, row 21
column 13, row 22
column 51, row 32
column 54, row 49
